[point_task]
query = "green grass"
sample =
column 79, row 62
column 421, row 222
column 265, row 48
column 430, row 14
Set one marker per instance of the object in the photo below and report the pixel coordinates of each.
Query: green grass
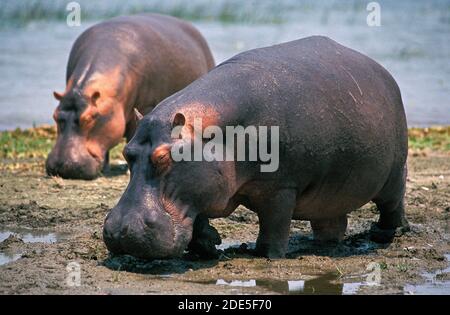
column 30, row 143
column 37, row 142
column 402, row 267
column 116, row 152
column 435, row 138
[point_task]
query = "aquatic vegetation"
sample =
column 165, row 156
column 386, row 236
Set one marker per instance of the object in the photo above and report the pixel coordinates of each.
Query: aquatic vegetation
column 19, row 13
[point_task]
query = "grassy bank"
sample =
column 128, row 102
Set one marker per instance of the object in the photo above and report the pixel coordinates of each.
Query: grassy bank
column 34, row 143
column 435, row 138
column 37, row 142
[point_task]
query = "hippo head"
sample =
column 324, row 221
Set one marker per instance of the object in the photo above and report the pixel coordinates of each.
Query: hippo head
column 154, row 217
column 87, row 127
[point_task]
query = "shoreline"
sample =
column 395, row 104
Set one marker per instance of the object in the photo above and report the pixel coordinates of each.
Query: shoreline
column 37, row 142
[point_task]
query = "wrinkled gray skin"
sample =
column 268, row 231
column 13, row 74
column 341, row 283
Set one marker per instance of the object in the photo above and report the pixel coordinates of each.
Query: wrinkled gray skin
column 343, row 143
column 115, row 66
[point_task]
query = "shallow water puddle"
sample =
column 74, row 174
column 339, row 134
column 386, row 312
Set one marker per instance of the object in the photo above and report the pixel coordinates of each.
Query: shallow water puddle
column 232, row 244
column 8, row 257
column 433, row 285
column 324, row 284
column 30, row 236
column 27, row 236
column 330, row 283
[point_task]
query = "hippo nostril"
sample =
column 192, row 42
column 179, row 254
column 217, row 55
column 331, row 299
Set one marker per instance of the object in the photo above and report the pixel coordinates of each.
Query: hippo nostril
column 149, row 220
column 107, row 232
column 124, row 230
column 111, row 235
column 51, row 165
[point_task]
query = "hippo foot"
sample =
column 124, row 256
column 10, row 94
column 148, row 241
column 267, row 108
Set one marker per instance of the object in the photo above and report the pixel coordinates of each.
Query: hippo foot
column 329, row 230
column 204, row 239
column 106, row 168
column 384, row 236
column 270, row 251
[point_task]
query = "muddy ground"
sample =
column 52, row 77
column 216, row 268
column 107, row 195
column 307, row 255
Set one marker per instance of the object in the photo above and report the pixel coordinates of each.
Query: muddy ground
column 68, row 215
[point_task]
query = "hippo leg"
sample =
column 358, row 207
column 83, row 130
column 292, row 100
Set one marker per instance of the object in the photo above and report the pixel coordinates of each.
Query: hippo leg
column 391, row 204
column 204, row 239
column 106, row 167
column 275, row 217
column 329, row 229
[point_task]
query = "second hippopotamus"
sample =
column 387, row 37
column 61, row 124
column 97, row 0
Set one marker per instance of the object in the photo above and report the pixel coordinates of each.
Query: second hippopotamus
column 115, row 66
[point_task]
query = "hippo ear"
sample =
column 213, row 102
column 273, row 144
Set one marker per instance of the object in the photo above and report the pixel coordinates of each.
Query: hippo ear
column 94, row 97
column 137, row 114
column 58, row 96
column 181, row 129
column 178, row 120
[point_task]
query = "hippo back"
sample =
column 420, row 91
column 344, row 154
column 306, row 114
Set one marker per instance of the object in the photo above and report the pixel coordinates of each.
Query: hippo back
column 340, row 114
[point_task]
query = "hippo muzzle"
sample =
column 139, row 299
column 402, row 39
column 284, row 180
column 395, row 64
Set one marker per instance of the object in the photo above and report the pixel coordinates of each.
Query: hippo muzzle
column 73, row 160
column 143, row 232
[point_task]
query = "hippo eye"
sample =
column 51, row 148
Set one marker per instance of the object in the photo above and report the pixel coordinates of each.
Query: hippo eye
column 161, row 159
column 161, row 163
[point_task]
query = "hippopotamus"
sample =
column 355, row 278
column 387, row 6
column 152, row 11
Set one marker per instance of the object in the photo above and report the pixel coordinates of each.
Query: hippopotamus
column 342, row 143
column 115, row 66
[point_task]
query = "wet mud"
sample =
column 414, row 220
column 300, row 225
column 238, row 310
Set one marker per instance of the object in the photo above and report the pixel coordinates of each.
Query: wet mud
column 47, row 223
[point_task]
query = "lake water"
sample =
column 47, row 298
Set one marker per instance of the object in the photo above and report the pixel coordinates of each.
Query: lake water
column 413, row 43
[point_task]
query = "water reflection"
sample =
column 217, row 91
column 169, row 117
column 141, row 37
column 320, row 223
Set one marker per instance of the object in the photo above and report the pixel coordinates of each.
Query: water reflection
column 8, row 257
column 433, row 284
column 30, row 235
column 27, row 236
column 327, row 284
